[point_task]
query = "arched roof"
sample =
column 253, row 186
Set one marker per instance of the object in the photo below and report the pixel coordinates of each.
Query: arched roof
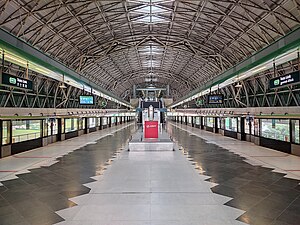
column 118, row 43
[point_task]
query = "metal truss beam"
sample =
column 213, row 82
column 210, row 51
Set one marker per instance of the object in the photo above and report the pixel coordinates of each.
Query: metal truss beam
column 255, row 91
column 19, row 47
column 284, row 44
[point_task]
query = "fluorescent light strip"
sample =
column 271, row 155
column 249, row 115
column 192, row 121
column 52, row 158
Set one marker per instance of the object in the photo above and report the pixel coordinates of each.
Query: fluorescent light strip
column 283, row 58
column 10, row 57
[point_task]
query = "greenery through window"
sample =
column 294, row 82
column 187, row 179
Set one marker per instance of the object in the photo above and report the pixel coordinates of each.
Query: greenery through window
column 277, row 129
column 104, row 121
column 210, row 121
column 23, row 130
column 5, row 132
column 71, row 124
column 231, row 124
column 295, row 131
column 198, row 120
column 92, row 122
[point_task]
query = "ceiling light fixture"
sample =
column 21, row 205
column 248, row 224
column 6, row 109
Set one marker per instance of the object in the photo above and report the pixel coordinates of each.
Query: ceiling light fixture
column 238, row 85
column 63, row 86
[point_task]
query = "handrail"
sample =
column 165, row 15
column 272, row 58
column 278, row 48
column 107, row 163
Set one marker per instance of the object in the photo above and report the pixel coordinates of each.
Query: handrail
column 29, row 136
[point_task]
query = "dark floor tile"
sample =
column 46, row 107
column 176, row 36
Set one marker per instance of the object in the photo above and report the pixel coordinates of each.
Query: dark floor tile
column 23, row 223
column 289, row 217
column 15, row 182
column 269, row 208
column 34, row 197
column 248, row 176
column 46, row 191
column 227, row 191
column 12, row 196
column 271, row 177
column 293, row 208
column 219, row 179
column 31, row 208
column 288, row 192
column 40, row 171
column 54, row 179
column 283, row 200
column 296, row 202
column 276, row 222
column 73, row 186
column 3, row 202
column 264, row 194
column 244, row 202
column 23, row 188
column 34, row 179
column 3, row 189
column 287, row 182
column 49, row 219
column 40, row 195
column 56, row 205
column 255, row 220
column 235, row 182
column 259, row 183
column 71, row 194
column 255, row 190
column 7, row 210
column 12, row 219
column 57, row 202
column 42, row 183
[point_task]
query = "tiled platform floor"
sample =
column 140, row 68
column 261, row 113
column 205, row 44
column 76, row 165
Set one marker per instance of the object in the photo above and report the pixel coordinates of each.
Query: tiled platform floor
column 151, row 188
column 32, row 198
column 267, row 197
column 203, row 183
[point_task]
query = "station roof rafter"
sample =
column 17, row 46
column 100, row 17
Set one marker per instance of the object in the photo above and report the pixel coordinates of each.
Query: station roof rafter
column 119, row 43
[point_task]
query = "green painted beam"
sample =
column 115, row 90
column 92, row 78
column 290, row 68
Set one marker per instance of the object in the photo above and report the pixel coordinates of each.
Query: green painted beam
column 284, row 44
column 24, row 50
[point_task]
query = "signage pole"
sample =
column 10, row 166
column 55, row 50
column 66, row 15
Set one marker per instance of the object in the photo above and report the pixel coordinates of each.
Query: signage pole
column 274, row 68
column 298, row 54
column 27, row 65
column 2, row 66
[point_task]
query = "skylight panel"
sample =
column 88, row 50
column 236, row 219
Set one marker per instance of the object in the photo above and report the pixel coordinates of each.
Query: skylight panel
column 151, row 19
column 150, row 9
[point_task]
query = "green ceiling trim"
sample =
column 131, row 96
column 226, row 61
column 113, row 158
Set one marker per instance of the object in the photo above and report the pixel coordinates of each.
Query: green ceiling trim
column 18, row 50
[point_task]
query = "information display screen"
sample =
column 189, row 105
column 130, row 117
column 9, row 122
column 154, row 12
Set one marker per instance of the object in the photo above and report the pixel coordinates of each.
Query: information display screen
column 145, row 105
column 215, row 99
column 17, row 82
column 284, row 80
column 86, row 100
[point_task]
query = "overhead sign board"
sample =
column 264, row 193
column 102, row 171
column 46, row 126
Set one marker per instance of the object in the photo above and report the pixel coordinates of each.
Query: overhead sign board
column 17, row 82
column 215, row 99
column 285, row 80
